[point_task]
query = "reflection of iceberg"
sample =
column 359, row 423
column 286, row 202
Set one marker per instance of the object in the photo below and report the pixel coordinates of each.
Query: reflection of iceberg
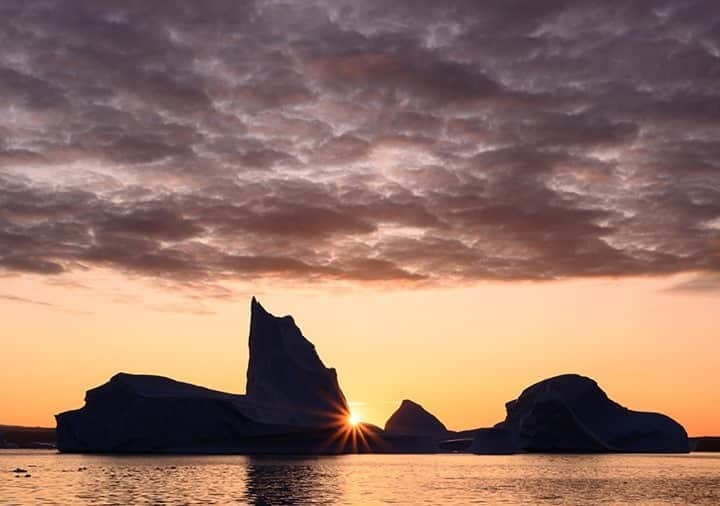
column 302, row 480
column 571, row 413
column 293, row 405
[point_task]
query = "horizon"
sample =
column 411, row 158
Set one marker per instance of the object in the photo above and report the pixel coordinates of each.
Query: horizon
column 453, row 201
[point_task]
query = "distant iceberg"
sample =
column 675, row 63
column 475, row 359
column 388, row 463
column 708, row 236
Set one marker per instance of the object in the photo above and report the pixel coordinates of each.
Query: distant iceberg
column 410, row 418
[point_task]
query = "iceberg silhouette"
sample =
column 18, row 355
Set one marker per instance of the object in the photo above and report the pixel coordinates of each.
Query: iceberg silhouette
column 572, row 414
column 294, row 404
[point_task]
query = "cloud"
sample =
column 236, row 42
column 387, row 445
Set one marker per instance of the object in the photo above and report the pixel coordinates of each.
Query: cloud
column 27, row 301
column 411, row 142
column 703, row 284
column 47, row 305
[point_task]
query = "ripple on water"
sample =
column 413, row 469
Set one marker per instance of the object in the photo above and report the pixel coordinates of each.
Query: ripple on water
column 362, row 479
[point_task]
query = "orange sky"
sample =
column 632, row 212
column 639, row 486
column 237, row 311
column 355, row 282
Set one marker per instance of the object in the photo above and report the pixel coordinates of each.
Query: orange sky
column 460, row 352
column 370, row 166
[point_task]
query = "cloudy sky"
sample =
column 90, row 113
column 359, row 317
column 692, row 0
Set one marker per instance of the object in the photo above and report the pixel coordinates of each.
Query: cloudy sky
column 411, row 145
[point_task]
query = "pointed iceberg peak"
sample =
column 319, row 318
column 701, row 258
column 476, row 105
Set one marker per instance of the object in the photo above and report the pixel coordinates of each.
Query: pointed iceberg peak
column 256, row 306
column 258, row 310
column 412, row 419
column 285, row 370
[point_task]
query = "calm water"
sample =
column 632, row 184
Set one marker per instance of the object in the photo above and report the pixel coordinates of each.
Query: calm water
column 359, row 479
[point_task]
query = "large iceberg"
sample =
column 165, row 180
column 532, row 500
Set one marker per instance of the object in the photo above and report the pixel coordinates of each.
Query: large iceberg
column 293, row 404
column 571, row 413
column 285, row 370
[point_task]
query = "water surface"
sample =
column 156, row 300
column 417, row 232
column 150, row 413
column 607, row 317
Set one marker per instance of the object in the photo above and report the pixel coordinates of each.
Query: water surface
column 359, row 479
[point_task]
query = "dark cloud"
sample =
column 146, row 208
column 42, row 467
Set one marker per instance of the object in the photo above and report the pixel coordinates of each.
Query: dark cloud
column 415, row 142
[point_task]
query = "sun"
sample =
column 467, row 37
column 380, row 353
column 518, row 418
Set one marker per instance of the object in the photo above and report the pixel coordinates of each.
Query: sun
column 354, row 418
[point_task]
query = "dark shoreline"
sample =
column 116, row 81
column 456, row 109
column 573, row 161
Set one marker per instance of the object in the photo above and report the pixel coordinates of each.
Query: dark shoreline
column 12, row 436
column 37, row 437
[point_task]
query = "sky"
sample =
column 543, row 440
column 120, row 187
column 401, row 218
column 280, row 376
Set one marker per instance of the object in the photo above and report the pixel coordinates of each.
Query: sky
column 454, row 199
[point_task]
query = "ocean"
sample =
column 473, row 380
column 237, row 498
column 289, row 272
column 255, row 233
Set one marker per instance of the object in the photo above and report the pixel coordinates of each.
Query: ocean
column 358, row 479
